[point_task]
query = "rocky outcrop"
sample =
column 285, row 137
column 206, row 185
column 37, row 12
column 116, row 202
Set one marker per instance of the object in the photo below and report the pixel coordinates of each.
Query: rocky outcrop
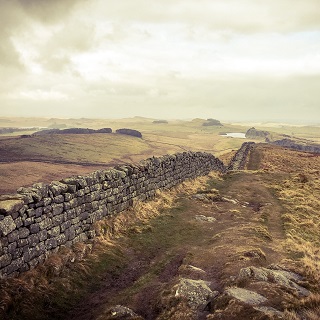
column 291, row 144
column 253, row 133
column 246, row 296
column 281, row 277
column 40, row 219
column 239, row 160
column 130, row 132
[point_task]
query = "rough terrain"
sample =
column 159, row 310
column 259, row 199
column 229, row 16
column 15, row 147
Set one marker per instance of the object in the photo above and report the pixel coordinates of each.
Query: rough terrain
column 219, row 251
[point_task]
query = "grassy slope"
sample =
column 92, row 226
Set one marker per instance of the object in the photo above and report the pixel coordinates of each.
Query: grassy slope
column 26, row 156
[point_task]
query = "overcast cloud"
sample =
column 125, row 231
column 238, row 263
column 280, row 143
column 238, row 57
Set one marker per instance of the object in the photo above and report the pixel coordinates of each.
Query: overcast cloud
column 224, row 59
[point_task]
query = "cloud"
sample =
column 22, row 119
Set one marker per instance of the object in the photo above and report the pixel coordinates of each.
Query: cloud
column 239, row 16
column 229, row 58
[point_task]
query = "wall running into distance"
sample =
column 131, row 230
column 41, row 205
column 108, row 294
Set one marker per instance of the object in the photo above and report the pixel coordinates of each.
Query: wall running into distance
column 39, row 219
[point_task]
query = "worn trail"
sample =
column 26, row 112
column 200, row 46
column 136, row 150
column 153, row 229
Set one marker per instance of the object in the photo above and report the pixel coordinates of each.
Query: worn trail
column 205, row 237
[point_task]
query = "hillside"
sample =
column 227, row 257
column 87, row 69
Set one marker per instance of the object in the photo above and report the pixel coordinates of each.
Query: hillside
column 43, row 158
column 242, row 245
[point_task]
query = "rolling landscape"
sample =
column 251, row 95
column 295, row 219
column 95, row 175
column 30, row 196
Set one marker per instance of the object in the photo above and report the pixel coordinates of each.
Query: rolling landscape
column 159, row 160
column 233, row 244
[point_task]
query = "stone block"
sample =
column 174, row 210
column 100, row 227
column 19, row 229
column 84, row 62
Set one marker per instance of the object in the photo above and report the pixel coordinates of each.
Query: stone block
column 13, row 236
column 51, row 243
column 57, row 208
column 54, row 232
column 7, row 225
column 57, row 188
column 18, row 222
column 58, row 199
column 9, row 205
column 22, row 243
column 5, row 260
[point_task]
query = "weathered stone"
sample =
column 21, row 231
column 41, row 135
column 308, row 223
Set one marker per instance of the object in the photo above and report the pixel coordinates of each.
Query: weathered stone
column 61, row 239
column 54, row 232
column 13, row 236
column 47, row 209
column 14, row 266
column 57, row 188
column 58, row 199
column 65, row 225
column 120, row 312
column 51, row 243
column 270, row 312
column 22, row 243
column 205, row 218
column 7, row 225
column 34, row 239
column 5, row 260
column 28, row 221
column 196, row 292
column 10, row 206
column 18, row 222
column 34, row 228
column 23, row 233
column 57, row 208
column 23, row 209
column 36, row 251
column 276, row 276
column 45, row 223
column 43, row 235
column 246, row 296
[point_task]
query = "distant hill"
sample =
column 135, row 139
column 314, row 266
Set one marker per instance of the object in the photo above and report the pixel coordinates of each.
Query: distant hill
column 130, row 132
column 73, row 131
column 212, row 122
column 291, row 144
column 159, row 121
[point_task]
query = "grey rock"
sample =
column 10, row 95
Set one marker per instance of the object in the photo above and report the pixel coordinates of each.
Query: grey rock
column 120, row 312
column 204, row 218
column 276, row 276
column 7, row 225
column 196, row 292
column 246, row 296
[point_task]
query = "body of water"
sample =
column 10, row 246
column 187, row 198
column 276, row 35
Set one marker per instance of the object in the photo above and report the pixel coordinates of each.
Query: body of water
column 235, row 135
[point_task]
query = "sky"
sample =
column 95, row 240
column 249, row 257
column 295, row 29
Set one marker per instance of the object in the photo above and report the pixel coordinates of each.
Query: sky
column 233, row 60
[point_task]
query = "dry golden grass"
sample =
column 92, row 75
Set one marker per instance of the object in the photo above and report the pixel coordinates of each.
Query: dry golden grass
column 296, row 183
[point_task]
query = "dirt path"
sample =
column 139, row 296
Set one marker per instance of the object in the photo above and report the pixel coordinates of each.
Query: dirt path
column 248, row 220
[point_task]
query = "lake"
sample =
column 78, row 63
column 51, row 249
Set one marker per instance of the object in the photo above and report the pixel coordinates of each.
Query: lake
column 235, row 135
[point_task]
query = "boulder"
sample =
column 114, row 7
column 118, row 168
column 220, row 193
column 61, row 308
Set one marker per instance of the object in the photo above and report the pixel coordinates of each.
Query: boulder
column 281, row 277
column 196, row 292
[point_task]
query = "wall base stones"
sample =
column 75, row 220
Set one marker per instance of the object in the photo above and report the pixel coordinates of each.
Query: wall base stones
column 39, row 219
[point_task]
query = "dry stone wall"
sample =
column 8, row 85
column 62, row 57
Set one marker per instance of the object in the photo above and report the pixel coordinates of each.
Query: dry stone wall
column 39, row 219
column 239, row 160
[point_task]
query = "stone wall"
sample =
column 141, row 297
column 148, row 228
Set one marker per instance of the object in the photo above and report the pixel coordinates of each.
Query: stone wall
column 239, row 160
column 39, row 219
